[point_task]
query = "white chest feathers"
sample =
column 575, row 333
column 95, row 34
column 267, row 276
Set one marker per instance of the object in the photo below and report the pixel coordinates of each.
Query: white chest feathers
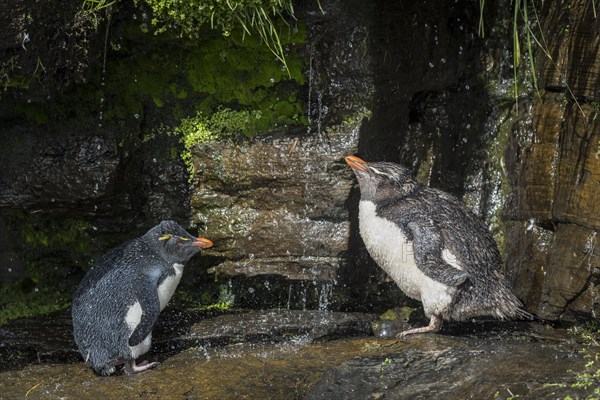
column 133, row 318
column 134, row 313
column 168, row 286
column 388, row 246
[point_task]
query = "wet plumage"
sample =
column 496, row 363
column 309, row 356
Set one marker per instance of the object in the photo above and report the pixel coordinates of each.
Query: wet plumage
column 432, row 246
column 119, row 300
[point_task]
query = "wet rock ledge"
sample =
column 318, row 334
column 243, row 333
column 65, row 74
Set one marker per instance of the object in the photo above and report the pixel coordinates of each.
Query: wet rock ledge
column 277, row 206
column 294, row 354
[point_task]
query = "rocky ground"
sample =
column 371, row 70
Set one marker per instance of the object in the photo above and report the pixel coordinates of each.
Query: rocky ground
column 288, row 354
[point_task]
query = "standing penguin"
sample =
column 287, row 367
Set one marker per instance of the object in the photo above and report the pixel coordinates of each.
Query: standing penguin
column 118, row 301
column 432, row 246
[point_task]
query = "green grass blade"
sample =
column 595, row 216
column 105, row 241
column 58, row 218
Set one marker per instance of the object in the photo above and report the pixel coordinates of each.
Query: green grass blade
column 529, row 48
column 243, row 24
column 481, row 30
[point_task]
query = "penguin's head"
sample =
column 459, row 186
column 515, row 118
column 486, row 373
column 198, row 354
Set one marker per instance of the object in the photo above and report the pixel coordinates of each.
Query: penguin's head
column 175, row 244
column 380, row 180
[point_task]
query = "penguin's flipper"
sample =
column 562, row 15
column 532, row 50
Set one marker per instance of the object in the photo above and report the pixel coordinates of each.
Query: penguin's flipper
column 427, row 247
column 148, row 298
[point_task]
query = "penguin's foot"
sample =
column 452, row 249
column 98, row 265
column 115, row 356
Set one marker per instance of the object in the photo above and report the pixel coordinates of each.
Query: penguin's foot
column 132, row 368
column 435, row 324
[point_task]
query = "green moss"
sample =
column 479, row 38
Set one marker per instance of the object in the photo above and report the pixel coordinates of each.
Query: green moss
column 389, row 315
column 237, row 88
column 402, row 313
column 9, row 78
column 158, row 102
column 224, row 123
column 587, row 378
column 33, row 112
column 242, row 73
column 210, row 70
column 51, row 232
column 213, row 307
column 175, row 82
column 207, row 301
column 496, row 160
column 44, row 241
column 183, row 77
column 192, row 131
column 385, row 363
column 251, row 17
column 18, row 300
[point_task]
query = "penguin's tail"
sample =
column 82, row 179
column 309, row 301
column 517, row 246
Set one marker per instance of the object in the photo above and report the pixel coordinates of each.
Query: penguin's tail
column 105, row 370
column 522, row 314
column 101, row 366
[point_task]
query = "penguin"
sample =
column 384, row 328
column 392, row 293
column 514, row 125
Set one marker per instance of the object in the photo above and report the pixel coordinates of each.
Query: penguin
column 118, row 301
column 435, row 249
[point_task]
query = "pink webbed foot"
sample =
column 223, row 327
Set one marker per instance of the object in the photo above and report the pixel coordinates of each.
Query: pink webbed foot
column 132, row 368
column 435, row 324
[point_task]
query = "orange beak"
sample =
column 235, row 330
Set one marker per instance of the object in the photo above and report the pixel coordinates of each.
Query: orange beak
column 203, row 243
column 356, row 163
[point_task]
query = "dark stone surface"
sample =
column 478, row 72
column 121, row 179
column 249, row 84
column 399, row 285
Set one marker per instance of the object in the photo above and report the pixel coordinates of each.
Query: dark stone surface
column 553, row 168
column 278, row 325
column 283, row 354
column 58, row 170
column 269, row 200
column 44, row 47
column 526, row 361
column 48, row 339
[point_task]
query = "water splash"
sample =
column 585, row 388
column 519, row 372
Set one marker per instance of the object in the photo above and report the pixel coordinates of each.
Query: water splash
column 321, row 112
column 310, row 78
column 289, row 300
column 325, row 295
column 321, row 109
column 589, row 248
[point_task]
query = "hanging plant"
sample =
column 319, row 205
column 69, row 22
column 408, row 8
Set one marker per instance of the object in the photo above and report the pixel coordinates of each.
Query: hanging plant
column 252, row 16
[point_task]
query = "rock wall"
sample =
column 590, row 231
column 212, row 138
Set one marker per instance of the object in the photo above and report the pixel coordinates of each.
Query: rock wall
column 85, row 164
column 553, row 164
column 426, row 110
column 444, row 108
column 80, row 167
column 277, row 206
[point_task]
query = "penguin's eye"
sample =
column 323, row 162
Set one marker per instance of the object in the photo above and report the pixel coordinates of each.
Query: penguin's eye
column 179, row 244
